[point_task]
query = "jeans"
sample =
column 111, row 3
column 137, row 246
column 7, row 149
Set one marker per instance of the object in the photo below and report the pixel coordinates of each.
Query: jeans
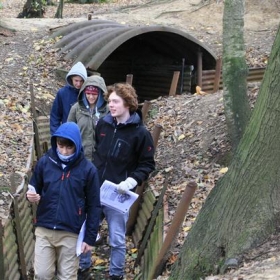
column 117, row 229
column 85, row 260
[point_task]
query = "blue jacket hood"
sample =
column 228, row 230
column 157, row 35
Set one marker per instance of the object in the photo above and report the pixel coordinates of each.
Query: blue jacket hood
column 71, row 131
column 77, row 69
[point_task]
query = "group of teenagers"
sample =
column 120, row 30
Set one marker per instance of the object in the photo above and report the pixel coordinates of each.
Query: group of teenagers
column 97, row 134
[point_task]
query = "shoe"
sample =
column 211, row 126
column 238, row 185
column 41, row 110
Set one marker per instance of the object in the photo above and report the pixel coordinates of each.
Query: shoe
column 115, row 277
column 84, row 274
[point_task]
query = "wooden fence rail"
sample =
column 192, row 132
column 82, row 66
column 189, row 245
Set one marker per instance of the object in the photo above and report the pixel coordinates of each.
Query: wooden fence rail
column 209, row 78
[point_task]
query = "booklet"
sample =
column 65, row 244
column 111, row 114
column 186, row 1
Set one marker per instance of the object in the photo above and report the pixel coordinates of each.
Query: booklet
column 80, row 239
column 110, row 197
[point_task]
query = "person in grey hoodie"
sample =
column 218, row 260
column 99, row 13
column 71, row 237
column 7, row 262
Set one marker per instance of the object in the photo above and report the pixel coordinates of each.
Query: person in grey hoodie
column 67, row 96
column 91, row 106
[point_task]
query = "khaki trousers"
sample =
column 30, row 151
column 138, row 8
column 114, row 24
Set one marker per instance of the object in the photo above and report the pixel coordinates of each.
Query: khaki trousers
column 55, row 251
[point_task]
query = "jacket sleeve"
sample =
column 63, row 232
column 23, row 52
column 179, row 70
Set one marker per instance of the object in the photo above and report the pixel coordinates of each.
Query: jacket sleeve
column 146, row 162
column 93, row 207
column 72, row 114
column 56, row 113
column 37, row 176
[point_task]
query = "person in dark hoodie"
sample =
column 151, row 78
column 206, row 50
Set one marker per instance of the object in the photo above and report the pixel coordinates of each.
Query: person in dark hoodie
column 91, row 106
column 67, row 191
column 67, row 96
column 124, row 155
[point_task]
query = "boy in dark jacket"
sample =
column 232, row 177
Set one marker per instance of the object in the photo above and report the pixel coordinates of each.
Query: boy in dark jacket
column 67, row 96
column 67, row 193
column 125, row 156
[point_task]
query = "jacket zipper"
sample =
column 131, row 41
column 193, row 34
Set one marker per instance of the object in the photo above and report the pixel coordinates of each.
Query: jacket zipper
column 62, row 179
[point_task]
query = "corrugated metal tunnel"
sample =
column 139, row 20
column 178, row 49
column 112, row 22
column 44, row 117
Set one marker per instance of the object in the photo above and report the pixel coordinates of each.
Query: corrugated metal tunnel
column 150, row 53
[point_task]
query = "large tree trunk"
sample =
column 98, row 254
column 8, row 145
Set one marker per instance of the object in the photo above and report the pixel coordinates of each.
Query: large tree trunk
column 235, row 71
column 243, row 209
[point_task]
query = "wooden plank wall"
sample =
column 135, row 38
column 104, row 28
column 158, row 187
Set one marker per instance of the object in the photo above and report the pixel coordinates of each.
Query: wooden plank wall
column 208, row 78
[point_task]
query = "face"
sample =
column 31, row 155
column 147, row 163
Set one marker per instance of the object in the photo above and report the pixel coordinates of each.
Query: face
column 116, row 106
column 92, row 98
column 66, row 150
column 77, row 82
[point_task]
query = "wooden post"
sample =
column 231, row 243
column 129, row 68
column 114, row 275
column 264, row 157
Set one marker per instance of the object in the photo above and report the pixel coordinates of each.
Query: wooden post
column 129, row 78
column 174, row 228
column 156, row 133
column 199, row 69
column 175, row 79
column 217, row 75
column 182, row 76
column 145, row 109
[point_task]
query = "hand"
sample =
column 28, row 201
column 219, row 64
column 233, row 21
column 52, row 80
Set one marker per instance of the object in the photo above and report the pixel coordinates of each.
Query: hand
column 33, row 197
column 122, row 187
column 86, row 248
column 31, row 194
column 126, row 185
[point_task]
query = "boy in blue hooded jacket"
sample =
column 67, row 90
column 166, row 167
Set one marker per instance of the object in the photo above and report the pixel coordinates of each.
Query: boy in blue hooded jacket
column 67, row 193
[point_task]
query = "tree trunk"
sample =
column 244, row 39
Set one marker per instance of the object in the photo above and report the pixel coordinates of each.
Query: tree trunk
column 59, row 11
column 235, row 71
column 32, row 9
column 243, row 209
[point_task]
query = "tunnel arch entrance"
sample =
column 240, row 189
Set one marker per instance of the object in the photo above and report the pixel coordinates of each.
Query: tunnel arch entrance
column 150, row 53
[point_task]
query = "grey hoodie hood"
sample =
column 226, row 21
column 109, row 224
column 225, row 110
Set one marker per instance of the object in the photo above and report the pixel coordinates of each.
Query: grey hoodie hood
column 77, row 69
column 96, row 81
